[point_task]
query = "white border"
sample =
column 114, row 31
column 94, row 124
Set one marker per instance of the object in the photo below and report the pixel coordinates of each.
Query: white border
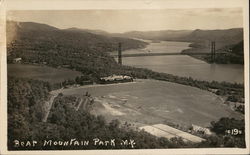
column 6, row 5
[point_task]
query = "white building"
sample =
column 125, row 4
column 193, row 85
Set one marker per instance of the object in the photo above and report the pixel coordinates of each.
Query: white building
column 116, row 77
column 17, row 60
column 197, row 128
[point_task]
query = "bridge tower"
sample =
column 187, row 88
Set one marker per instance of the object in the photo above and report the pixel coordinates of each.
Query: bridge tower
column 213, row 51
column 120, row 53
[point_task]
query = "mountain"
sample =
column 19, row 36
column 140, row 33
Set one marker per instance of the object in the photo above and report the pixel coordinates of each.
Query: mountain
column 198, row 37
column 229, row 41
column 216, row 35
column 98, row 32
column 158, row 35
column 238, row 49
column 221, row 37
column 69, row 37
column 82, row 51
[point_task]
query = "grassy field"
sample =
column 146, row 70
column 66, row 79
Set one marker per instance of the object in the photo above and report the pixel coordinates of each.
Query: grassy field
column 44, row 73
column 148, row 102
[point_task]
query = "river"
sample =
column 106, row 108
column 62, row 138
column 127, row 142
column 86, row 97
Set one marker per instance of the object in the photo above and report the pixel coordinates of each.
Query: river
column 182, row 65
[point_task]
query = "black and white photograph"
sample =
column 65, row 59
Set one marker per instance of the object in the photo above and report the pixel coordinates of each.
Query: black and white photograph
column 127, row 79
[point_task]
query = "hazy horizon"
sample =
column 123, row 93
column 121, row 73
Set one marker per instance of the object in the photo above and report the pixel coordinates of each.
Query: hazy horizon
column 119, row 21
column 127, row 31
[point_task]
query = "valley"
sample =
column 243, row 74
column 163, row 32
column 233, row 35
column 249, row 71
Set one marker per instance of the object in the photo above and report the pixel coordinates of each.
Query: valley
column 57, row 69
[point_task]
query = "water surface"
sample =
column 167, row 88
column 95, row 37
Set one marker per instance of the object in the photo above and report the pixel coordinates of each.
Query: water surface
column 183, row 65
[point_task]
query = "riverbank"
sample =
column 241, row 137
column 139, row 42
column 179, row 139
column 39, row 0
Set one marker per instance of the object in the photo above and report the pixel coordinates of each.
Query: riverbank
column 202, row 57
column 233, row 54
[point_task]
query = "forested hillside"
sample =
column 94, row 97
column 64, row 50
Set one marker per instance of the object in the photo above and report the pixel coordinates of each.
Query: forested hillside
column 43, row 44
column 67, row 37
column 234, row 54
column 25, row 112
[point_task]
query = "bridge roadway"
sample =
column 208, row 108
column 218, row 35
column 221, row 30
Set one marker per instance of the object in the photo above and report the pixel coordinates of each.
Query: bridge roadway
column 159, row 54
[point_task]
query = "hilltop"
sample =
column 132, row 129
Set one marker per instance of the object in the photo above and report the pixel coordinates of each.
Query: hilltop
column 82, row 51
column 68, row 37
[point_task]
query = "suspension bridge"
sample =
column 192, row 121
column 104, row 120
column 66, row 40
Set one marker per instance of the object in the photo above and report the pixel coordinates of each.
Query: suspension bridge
column 212, row 53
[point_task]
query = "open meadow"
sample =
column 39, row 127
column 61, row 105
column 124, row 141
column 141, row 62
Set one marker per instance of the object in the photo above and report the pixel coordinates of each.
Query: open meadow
column 148, row 102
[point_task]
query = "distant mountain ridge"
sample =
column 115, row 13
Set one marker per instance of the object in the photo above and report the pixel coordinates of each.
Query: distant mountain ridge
column 222, row 36
column 17, row 31
column 234, row 35
column 26, row 36
column 158, row 35
column 86, row 52
column 98, row 32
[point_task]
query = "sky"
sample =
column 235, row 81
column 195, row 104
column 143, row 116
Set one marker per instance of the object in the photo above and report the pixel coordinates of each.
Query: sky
column 118, row 21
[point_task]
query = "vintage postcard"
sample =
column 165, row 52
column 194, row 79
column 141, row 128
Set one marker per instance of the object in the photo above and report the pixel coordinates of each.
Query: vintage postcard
column 132, row 77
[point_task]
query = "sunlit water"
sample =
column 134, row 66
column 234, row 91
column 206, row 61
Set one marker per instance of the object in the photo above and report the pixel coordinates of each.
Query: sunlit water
column 183, row 65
